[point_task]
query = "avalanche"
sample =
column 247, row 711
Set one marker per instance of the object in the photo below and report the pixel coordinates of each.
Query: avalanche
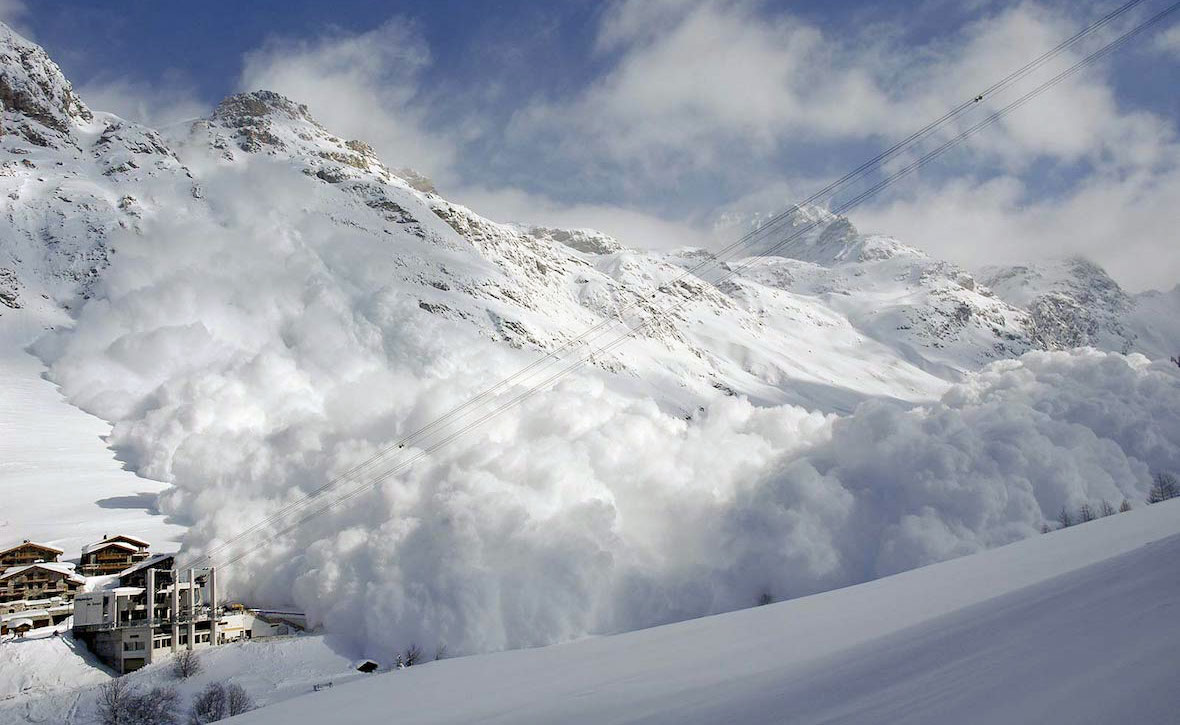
column 257, row 305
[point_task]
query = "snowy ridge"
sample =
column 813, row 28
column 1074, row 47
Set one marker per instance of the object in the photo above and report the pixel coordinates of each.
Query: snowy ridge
column 257, row 304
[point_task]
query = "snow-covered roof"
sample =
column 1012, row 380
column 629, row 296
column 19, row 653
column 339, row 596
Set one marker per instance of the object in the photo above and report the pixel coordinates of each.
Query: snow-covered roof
column 150, row 561
column 23, row 622
column 26, row 542
column 67, row 569
column 26, row 614
column 107, row 544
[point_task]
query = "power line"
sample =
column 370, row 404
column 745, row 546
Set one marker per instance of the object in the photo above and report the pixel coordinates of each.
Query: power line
column 598, row 329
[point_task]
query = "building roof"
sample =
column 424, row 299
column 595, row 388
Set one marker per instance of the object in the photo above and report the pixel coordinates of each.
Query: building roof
column 26, row 542
column 145, row 564
column 22, row 622
column 89, row 548
column 67, row 569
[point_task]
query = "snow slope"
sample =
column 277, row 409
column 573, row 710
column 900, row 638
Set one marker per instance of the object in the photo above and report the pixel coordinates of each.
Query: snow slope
column 61, row 484
column 1075, row 626
column 54, row 680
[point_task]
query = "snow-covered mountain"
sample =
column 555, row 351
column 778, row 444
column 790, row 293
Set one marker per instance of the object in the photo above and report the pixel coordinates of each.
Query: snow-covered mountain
column 1074, row 302
column 257, row 305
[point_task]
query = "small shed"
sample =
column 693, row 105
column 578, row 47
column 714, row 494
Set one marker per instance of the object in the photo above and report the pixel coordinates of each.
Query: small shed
column 365, row 666
column 20, row 626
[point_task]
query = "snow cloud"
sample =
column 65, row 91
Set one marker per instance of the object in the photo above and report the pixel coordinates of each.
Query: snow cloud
column 248, row 356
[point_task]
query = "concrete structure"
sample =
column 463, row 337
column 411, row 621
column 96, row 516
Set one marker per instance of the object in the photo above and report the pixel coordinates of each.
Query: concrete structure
column 113, row 554
column 132, row 626
column 28, row 552
column 39, row 581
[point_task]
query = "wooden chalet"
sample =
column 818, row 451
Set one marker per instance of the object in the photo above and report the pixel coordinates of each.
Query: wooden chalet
column 39, row 581
column 28, row 552
column 112, row 555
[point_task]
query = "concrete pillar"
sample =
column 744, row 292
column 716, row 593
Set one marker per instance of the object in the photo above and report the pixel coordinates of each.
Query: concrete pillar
column 174, row 613
column 151, row 595
column 192, row 610
column 213, row 605
column 151, row 613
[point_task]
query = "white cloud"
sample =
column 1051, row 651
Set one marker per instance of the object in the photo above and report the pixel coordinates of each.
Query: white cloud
column 1124, row 220
column 154, row 105
column 1168, row 41
column 362, row 86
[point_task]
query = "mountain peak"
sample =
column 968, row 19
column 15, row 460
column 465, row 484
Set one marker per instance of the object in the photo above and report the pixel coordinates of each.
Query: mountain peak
column 244, row 108
column 34, row 89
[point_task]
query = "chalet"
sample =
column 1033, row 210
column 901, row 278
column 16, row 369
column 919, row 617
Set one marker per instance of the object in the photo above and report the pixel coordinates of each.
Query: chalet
column 39, row 581
column 28, row 552
column 113, row 554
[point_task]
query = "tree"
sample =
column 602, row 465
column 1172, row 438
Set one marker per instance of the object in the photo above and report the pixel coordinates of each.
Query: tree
column 765, row 598
column 1064, row 518
column 113, row 698
column 1125, row 507
column 186, row 664
column 1045, row 528
column 412, row 656
column 441, row 652
column 157, row 706
column 1086, row 513
column 1107, row 509
column 1165, row 486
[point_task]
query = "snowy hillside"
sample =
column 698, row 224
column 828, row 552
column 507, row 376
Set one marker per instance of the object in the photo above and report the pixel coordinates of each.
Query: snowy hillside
column 256, row 305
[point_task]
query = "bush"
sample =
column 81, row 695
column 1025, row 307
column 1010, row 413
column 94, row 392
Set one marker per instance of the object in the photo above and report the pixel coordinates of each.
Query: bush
column 157, row 706
column 186, row 664
column 217, row 702
column 1125, row 506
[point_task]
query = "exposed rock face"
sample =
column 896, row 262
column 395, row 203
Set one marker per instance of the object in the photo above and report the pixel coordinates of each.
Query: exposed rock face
column 1071, row 303
column 33, row 89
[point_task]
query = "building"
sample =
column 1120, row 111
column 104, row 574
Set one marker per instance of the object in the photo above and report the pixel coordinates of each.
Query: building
column 39, row 613
column 132, row 626
column 156, row 611
column 39, row 581
column 113, row 554
column 28, row 552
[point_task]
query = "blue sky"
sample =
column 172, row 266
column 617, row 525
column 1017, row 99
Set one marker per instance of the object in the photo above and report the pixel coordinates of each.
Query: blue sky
column 654, row 119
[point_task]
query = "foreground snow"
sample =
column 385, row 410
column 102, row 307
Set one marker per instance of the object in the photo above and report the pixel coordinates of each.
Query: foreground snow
column 1073, row 627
